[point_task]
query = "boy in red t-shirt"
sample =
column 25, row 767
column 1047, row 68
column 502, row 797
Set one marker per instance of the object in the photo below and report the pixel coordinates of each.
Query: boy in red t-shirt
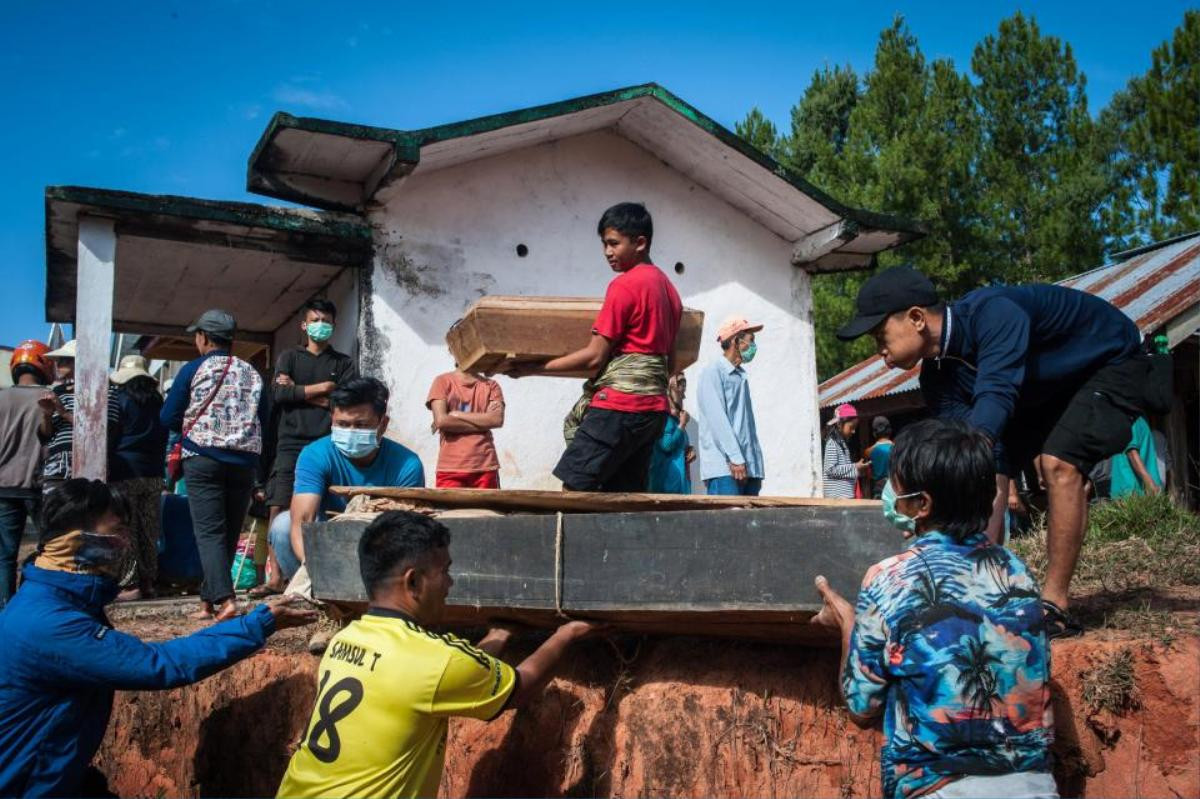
column 632, row 354
column 466, row 408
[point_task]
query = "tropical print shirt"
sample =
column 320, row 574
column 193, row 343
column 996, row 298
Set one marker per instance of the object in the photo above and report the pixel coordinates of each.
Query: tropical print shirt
column 948, row 640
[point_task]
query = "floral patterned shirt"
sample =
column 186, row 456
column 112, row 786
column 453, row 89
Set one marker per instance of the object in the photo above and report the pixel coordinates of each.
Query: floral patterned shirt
column 948, row 640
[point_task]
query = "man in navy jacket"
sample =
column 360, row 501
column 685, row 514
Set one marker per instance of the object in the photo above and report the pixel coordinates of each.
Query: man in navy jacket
column 61, row 660
column 1045, row 371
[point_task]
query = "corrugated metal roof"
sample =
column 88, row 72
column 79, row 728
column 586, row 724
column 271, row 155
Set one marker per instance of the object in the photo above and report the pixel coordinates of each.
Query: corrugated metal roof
column 1152, row 288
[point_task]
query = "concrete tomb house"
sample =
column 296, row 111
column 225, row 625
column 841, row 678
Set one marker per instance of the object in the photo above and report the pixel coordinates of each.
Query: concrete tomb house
column 414, row 226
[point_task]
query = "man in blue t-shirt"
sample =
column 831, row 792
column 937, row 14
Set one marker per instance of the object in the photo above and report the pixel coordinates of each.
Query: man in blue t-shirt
column 355, row 453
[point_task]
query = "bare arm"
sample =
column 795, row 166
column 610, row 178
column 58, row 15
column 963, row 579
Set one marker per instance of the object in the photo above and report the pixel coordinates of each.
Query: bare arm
column 448, row 421
column 1139, row 468
column 535, row 670
column 495, row 640
column 589, row 359
column 838, row 614
column 304, row 508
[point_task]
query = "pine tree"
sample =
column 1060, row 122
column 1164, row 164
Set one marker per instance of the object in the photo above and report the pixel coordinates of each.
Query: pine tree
column 1041, row 186
column 1151, row 144
column 759, row 131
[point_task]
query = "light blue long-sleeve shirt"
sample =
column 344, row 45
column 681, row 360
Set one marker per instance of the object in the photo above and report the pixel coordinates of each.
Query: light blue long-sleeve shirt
column 727, row 431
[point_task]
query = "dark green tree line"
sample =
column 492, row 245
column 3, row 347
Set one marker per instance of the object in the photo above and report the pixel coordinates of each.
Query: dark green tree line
column 1014, row 178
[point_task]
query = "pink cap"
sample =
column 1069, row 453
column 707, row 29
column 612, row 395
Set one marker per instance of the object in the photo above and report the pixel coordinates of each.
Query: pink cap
column 845, row 411
column 734, row 325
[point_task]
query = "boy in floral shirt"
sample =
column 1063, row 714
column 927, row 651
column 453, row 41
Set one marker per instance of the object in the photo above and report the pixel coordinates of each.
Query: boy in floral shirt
column 947, row 641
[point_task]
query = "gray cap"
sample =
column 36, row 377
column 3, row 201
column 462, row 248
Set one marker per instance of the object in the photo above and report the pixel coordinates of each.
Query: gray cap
column 214, row 320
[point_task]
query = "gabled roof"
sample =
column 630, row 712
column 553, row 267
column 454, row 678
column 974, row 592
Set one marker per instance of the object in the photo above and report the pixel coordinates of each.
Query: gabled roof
column 339, row 166
column 1156, row 286
column 177, row 256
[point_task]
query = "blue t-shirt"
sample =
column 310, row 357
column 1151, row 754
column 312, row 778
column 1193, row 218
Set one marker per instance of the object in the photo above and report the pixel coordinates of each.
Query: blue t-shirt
column 322, row 465
column 881, row 456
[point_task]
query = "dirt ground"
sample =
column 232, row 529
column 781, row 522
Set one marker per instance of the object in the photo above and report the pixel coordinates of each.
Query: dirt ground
column 663, row 716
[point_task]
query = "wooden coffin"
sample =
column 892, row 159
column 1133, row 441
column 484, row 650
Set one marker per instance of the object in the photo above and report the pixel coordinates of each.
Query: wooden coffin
column 739, row 573
column 498, row 330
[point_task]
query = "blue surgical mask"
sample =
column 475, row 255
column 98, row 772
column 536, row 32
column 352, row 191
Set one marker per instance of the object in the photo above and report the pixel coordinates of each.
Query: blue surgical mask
column 905, row 524
column 749, row 353
column 319, row 331
column 355, row 443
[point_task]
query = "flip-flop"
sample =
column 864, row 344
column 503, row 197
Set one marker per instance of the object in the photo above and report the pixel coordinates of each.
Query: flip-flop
column 1058, row 622
column 263, row 591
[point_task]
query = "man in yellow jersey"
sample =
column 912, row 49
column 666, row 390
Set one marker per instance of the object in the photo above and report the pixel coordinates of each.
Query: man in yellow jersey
column 388, row 686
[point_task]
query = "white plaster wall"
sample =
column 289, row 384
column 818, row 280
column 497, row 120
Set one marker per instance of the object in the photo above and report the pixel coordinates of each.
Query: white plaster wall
column 343, row 291
column 448, row 237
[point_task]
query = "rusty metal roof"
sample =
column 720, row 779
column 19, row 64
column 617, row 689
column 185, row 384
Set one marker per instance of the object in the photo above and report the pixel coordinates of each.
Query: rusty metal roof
column 1153, row 286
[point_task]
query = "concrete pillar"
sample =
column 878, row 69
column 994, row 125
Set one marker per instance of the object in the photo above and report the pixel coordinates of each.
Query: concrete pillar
column 95, row 270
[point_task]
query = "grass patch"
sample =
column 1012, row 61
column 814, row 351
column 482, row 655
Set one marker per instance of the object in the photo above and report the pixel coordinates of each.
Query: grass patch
column 1131, row 543
column 1161, row 626
column 1111, row 685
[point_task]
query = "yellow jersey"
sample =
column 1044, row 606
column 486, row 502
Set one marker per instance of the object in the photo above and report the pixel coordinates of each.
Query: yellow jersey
column 386, row 689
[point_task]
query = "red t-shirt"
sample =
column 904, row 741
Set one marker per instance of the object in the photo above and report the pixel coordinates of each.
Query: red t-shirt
column 466, row 452
column 641, row 313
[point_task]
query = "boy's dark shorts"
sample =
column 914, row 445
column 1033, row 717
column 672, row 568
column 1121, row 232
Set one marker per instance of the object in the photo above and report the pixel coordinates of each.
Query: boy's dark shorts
column 1089, row 425
column 611, row 451
column 282, row 479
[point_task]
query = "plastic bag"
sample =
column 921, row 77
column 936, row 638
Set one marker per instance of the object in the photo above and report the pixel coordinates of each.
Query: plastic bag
column 242, row 572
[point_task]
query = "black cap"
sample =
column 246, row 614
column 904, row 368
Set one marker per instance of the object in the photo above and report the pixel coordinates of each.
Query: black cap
column 220, row 323
column 895, row 289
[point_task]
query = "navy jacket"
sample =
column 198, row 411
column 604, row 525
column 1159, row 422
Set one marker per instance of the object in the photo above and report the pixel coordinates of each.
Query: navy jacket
column 61, row 661
column 1006, row 348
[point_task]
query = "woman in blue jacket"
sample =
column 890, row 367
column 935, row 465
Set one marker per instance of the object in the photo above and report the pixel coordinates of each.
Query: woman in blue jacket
column 62, row 661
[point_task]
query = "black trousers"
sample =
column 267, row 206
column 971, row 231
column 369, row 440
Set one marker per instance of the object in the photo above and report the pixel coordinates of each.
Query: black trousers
column 218, row 498
column 611, row 451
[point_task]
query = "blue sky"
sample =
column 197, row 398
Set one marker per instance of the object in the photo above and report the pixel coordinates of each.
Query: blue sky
column 170, row 97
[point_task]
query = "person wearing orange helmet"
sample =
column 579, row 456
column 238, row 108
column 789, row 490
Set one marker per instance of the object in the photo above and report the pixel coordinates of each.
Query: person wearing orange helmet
column 25, row 411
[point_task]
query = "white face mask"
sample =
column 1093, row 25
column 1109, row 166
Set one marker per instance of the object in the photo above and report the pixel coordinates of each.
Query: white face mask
column 355, row 443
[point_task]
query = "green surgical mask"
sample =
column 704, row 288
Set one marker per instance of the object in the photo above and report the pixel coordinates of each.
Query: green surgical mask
column 319, row 331
column 749, row 353
column 905, row 524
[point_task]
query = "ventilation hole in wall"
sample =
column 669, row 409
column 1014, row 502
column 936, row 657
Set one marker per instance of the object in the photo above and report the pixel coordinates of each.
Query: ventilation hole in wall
column 679, row 267
column 522, row 251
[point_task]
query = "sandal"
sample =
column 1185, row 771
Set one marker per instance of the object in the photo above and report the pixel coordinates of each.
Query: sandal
column 1058, row 623
column 263, row 591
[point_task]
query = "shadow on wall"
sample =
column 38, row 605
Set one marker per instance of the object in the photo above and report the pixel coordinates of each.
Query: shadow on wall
column 244, row 746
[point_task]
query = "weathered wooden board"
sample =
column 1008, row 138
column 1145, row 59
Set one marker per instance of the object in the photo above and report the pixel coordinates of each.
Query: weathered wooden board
column 744, row 573
column 498, row 330
column 522, row 500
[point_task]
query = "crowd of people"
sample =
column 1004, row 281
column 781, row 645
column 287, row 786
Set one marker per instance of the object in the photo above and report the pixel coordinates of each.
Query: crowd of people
column 947, row 643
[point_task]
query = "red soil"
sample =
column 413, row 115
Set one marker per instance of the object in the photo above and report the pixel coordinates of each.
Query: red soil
column 668, row 716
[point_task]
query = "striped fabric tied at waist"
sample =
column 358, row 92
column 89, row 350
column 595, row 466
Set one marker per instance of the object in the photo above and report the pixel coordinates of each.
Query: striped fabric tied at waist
column 631, row 373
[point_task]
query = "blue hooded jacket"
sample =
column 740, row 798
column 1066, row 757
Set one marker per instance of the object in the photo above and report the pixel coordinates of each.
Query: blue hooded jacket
column 61, row 661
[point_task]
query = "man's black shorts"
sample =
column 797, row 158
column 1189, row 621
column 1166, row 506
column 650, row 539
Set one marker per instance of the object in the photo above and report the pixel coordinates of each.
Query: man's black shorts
column 282, row 478
column 1088, row 425
column 611, row 451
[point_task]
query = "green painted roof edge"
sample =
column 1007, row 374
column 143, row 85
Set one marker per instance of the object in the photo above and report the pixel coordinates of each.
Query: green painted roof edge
column 491, row 122
column 249, row 214
column 404, row 146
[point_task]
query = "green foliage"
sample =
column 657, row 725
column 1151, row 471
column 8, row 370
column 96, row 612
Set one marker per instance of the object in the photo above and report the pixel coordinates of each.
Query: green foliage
column 1151, row 143
column 1131, row 544
column 1013, row 177
column 759, row 131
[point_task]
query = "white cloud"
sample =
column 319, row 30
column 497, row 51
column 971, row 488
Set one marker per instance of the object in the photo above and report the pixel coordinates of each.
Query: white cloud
column 290, row 94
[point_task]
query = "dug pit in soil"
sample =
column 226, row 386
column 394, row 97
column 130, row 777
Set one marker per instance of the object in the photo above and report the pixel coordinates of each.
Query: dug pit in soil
column 650, row 716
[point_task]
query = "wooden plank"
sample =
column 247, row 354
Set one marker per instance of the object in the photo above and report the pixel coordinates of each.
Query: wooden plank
column 96, row 263
column 498, row 330
column 522, row 500
column 731, row 573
